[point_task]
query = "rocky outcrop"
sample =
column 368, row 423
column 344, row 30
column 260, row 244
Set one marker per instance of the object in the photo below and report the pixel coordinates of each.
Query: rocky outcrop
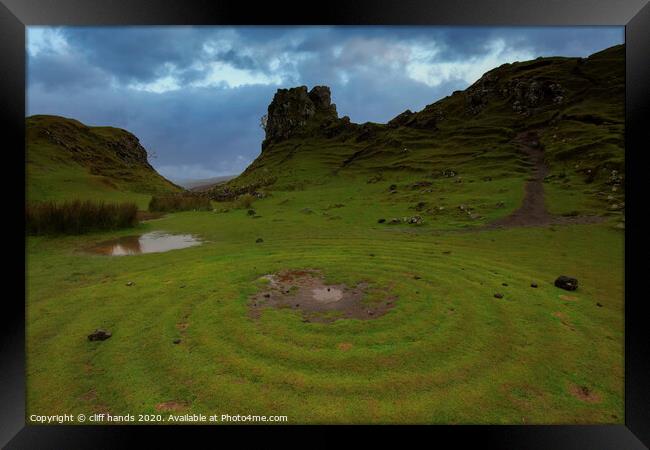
column 523, row 94
column 292, row 111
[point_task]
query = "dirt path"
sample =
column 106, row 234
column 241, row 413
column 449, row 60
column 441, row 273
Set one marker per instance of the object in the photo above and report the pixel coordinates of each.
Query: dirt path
column 532, row 211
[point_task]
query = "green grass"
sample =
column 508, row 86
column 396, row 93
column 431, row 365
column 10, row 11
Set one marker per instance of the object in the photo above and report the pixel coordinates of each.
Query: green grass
column 488, row 361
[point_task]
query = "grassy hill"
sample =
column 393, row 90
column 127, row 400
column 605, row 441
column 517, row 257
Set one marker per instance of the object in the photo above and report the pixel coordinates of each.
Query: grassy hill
column 68, row 160
column 574, row 105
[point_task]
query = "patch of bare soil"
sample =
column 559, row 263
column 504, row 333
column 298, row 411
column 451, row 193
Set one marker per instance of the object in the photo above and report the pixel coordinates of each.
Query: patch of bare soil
column 148, row 215
column 305, row 290
column 584, row 393
column 171, row 406
column 532, row 211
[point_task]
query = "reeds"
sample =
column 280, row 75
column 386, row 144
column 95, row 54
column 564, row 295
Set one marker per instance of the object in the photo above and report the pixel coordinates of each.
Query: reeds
column 179, row 202
column 76, row 217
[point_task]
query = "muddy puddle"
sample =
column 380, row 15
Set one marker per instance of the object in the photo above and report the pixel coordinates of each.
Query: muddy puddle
column 306, row 291
column 153, row 242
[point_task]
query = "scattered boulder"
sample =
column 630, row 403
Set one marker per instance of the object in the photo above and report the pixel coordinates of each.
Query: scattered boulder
column 421, row 184
column 533, row 285
column 392, row 187
column 130, row 283
column 381, row 221
column 498, row 295
column 259, row 240
column 251, row 212
column 177, row 341
column 566, row 283
column 99, row 335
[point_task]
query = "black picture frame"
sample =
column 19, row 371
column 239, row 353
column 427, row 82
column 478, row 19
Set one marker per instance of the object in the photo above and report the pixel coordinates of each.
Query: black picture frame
column 15, row 15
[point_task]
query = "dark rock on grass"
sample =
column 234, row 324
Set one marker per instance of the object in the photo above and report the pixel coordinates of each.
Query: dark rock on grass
column 251, row 212
column 130, row 283
column 415, row 220
column 421, row 184
column 600, row 305
column 498, row 295
column 420, row 206
column 392, row 187
column 533, row 285
column 259, row 240
column 381, row 221
column 504, row 284
column 566, row 283
column 99, row 335
column 177, row 341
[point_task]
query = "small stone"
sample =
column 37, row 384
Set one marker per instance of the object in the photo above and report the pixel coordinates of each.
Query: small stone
column 566, row 283
column 600, row 305
column 381, row 221
column 99, row 335
column 498, row 295
column 177, row 341
column 533, row 285
column 267, row 295
column 370, row 313
column 416, row 277
column 259, row 240
column 130, row 283
column 251, row 212
column 504, row 284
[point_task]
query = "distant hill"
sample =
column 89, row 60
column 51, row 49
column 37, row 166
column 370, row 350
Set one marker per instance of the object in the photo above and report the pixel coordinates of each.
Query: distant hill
column 204, row 184
column 68, row 160
column 575, row 105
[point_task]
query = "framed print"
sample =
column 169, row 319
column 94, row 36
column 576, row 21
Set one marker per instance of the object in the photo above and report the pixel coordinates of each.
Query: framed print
column 368, row 214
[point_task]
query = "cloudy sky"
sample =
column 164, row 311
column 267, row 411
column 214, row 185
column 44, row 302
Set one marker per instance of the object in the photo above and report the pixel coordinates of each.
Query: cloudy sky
column 194, row 95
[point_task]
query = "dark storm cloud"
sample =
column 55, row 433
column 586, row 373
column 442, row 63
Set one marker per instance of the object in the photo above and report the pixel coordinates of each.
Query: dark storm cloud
column 194, row 95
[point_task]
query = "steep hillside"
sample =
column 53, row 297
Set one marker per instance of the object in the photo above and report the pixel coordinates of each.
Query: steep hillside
column 573, row 107
column 68, row 160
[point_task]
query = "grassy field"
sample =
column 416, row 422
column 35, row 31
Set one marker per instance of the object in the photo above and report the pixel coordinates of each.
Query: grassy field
column 448, row 352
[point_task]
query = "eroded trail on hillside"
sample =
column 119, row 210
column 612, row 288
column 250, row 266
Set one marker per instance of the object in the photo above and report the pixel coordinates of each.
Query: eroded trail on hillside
column 532, row 211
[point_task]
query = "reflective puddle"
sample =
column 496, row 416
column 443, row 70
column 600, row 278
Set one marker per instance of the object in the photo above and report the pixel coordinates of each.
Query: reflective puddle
column 154, row 242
